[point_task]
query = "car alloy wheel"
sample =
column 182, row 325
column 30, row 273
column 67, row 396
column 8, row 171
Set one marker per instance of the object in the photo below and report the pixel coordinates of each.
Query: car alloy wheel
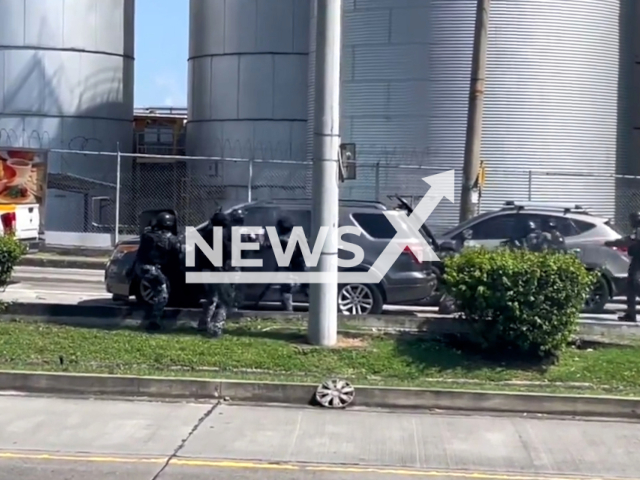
column 355, row 299
column 145, row 291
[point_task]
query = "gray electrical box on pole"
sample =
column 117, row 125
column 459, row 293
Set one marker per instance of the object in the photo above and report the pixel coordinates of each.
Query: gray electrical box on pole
column 323, row 302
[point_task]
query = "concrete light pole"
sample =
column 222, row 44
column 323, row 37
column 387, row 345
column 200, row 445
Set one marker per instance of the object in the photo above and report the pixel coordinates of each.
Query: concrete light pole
column 323, row 303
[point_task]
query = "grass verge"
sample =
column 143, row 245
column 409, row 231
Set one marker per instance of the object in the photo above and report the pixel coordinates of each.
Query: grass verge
column 268, row 351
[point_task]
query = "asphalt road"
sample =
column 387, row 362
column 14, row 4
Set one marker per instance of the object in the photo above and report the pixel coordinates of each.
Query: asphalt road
column 54, row 439
column 70, row 286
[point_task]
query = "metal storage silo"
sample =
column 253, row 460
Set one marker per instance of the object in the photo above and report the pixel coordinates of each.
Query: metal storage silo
column 248, row 64
column 550, row 104
column 405, row 77
column 67, row 70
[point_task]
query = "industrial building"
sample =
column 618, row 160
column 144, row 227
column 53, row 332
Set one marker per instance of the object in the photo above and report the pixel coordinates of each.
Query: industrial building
column 558, row 116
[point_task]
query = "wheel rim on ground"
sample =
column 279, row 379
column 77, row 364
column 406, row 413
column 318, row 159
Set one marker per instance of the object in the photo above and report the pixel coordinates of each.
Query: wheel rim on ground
column 145, row 291
column 335, row 393
column 355, row 299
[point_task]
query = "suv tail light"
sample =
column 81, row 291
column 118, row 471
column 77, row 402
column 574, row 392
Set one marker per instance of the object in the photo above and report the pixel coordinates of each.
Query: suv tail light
column 624, row 250
column 409, row 250
column 9, row 223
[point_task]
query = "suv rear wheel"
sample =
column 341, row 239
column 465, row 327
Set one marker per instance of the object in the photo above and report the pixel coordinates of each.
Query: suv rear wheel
column 359, row 299
column 598, row 297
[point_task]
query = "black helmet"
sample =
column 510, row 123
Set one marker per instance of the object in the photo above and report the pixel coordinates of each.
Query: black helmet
column 531, row 227
column 634, row 219
column 552, row 224
column 284, row 225
column 220, row 219
column 165, row 221
column 237, row 217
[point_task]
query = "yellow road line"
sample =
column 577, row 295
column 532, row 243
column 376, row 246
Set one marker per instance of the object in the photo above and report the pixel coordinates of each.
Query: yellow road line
column 288, row 466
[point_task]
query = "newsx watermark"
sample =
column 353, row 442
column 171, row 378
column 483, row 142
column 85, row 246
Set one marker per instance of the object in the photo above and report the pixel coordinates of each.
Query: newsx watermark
column 408, row 237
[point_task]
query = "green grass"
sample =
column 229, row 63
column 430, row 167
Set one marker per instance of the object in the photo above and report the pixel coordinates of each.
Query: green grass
column 265, row 351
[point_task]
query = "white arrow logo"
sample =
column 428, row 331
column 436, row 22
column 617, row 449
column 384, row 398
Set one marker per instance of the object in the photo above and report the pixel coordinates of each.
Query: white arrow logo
column 408, row 236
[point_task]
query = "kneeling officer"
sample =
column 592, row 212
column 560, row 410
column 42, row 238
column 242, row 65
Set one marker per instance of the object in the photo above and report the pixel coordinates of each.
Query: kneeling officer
column 218, row 297
column 159, row 247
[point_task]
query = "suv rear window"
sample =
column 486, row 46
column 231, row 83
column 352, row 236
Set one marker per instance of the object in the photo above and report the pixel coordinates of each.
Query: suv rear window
column 375, row 225
column 583, row 226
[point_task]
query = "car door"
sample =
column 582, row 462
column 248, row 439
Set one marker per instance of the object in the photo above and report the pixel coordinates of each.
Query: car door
column 490, row 232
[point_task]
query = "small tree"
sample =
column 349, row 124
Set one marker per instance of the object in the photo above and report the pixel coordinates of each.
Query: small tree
column 518, row 301
column 11, row 250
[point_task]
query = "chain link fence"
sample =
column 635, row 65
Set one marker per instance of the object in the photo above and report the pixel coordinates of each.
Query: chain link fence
column 107, row 191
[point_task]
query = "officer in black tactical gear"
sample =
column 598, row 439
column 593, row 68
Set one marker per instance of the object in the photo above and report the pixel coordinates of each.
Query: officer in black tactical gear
column 236, row 219
column 632, row 243
column 159, row 249
column 552, row 238
column 218, row 297
column 284, row 227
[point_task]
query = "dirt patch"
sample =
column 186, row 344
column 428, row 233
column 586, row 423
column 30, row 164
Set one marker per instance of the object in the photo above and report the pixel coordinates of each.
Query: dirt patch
column 351, row 342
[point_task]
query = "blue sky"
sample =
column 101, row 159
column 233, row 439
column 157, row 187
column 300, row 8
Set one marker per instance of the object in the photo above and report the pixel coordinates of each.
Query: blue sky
column 162, row 39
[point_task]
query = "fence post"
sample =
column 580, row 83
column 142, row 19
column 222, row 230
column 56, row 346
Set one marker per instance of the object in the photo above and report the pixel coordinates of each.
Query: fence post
column 250, row 182
column 377, row 174
column 530, row 188
column 117, row 222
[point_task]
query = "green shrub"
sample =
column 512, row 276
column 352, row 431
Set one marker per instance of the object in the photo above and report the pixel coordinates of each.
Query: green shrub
column 11, row 250
column 518, row 302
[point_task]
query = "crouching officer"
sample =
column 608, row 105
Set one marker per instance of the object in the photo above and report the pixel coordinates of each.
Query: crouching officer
column 632, row 243
column 218, row 297
column 159, row 247
column 284, row 227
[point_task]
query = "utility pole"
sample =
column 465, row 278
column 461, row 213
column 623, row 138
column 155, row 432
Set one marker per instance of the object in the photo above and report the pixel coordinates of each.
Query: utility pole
column 473, row 141
column 323, row 302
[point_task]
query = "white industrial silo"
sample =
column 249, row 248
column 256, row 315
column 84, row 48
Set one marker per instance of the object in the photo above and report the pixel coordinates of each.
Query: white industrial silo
column 248, row 64
column 67, row 83
column 551, row 98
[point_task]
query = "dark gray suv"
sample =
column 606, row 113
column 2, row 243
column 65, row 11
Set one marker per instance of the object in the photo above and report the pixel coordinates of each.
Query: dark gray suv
column 584, row 233
column 407, row 282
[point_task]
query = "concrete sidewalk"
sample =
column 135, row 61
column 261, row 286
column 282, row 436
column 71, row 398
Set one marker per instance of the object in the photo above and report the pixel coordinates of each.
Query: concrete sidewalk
column 138, row 440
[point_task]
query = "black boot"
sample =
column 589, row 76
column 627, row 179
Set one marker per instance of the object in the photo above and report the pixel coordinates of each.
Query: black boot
column 627, row 317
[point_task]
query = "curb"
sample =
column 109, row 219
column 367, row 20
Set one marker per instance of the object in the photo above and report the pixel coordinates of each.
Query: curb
column 62, row 262
column 129, row 315
column 303, row 394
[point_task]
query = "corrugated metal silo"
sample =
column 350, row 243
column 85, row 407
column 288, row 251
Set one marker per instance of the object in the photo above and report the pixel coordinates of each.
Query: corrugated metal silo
column 405, row 77
column 552, row 102
column 248, row 69
column 67, row 70
column 551, row 97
